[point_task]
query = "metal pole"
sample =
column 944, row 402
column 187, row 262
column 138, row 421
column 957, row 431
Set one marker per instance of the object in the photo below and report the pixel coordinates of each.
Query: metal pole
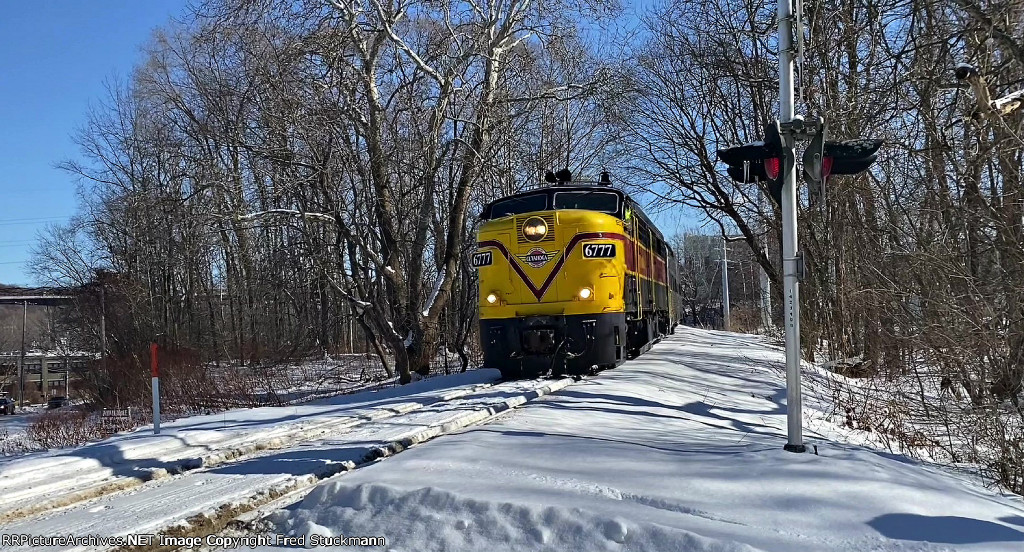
column 791, row 287
column 21, row 359
column 568, row 134
column 155, row 368
column 725, row 286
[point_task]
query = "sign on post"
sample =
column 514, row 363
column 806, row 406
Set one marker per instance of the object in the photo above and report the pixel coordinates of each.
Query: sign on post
column 113, row 420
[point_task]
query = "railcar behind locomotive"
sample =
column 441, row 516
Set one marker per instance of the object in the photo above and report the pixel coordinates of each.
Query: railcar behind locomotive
column 573, row 278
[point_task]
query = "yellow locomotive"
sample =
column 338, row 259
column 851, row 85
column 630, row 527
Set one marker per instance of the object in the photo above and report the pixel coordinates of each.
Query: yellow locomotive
column 573, row 278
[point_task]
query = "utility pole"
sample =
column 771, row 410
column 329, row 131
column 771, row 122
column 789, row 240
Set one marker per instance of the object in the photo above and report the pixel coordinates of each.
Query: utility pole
column 726, row 322
column 790, row 261
column 103, row 326
column 21, row 359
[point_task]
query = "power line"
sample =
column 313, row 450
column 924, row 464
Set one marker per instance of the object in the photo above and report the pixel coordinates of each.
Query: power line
column 31, row 219
column 11, row 222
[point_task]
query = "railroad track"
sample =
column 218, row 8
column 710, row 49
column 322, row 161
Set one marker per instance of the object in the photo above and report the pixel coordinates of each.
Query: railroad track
column 245, row 481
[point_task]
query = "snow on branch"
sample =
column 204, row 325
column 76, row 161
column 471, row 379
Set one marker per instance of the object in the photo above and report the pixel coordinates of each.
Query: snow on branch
column 324, row 217
column 433, row 294
column 552, row 93
column 387, row 24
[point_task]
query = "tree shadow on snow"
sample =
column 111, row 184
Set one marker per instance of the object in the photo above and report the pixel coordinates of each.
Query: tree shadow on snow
column 1014, row 520
column 646, row 407
column 297, row 461
column 671, row 448
column 943, row 529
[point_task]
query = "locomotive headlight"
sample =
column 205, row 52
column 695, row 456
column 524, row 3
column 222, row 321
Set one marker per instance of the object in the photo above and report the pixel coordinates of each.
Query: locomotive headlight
column 492, row 298
column 586, row 293
column 534, row 229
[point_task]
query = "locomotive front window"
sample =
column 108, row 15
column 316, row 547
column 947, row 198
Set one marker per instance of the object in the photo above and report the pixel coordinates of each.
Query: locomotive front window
column 603, row 202
column 519, row 205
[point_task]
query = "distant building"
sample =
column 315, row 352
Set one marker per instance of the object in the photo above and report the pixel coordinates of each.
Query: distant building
column 27, row 320
column 47, row 373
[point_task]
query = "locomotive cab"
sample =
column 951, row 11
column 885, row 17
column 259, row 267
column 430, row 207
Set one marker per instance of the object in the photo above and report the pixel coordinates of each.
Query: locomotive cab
column 572, row 278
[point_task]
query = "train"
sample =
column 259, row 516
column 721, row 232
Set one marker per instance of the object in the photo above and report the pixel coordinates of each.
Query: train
column 573, row 278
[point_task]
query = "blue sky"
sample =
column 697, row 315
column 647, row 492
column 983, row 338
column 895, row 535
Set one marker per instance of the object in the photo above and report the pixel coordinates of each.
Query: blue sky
column 54, row 59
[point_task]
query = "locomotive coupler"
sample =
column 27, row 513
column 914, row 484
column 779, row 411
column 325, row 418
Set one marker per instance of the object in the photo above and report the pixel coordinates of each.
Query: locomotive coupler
column 539, row 341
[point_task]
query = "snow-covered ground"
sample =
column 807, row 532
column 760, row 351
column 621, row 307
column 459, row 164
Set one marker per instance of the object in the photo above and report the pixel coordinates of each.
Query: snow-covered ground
column 237, row 385
column 28, row 481
column 211, row 466
column 679, row 450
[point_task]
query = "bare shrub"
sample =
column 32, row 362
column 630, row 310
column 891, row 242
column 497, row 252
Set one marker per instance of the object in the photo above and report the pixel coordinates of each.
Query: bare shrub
column 745, row 318
column 117, row 381
column 15, row 444
column 63, row 428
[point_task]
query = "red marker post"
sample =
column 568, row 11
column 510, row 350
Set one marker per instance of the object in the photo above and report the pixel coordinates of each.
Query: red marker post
column 154, row 365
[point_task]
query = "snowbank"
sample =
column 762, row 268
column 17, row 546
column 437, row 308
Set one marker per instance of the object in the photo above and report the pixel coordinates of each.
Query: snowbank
column 42, row 481
column 678, row 450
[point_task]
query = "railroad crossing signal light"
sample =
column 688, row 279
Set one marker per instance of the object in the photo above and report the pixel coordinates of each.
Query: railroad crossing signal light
column 851, row 156
column 770, row 161
column 767, row 161
column 823, row 158
column 780, row 163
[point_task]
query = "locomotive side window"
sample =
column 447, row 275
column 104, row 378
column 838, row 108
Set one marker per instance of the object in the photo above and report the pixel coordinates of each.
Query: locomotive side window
column 645, row 235
column 519, row 205
column 603, row 202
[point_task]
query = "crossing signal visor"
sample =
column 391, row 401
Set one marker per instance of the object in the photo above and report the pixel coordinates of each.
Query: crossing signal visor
column 768, row 161
column 823, row 159
column 849, row 156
